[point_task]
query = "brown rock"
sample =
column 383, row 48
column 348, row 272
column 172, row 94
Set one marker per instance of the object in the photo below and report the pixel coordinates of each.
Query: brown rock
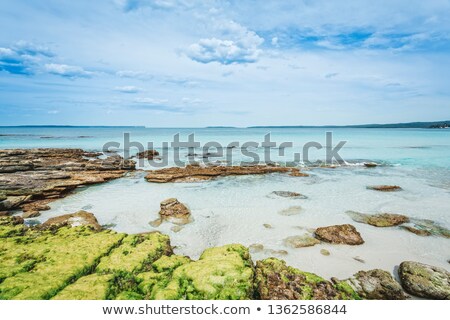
column 380, row 219
column 148, row 154
column 297, row 173
column 339, row 234
column 195, row 173
column 288, row 194
column 80, row 218
column 31, row 214
column 385, row 188
column 174, row 211
column 370, row 164
column 419, row 232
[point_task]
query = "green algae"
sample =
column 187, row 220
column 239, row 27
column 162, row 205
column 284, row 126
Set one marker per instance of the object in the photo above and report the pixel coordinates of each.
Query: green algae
column 221, row 273
column 136, row 253
column 90, row 287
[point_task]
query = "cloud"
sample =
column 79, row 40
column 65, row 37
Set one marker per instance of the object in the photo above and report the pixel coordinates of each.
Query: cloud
column 331, row 75
column 128, row 89
column 239, row 45
column 67, row 71
column 156, row 105
column 131, row 5
column 23, row 57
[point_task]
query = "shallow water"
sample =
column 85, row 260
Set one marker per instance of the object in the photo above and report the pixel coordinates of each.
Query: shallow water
column 234, row 209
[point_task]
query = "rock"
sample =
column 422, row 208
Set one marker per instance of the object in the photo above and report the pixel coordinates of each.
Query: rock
column 297, row 173
column 370, row 164
column 339, row 234
column 80, row 218
column 43, row 175
column 300, row 241
column 156, row 223
column 380, row 219
column 195, row 173
column 290, row 211
column 385, row 188
column 425, row 281
column 174, row 211
column 359, row 259
column 278, row 253
column 276, row 281
column 267, row 226
column 325, row 252
column 288, row 194
column 4, row 213
column 255, row 248
column 419, row 232
column 429, row 226
column 148, row 154
column 176, row 228
column 375, row 285
column 37, row 206
column 31, row 214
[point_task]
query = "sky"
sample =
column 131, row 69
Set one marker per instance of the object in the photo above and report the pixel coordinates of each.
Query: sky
column 188, row 63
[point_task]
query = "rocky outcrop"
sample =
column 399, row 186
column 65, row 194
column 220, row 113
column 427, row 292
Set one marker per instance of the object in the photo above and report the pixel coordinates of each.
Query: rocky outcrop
column 148, row 154
column 380, row 219
column 275, row 280
column 385, row 188
column 174, row 211
column 374, row 285
column 425, row 281
column 197, row 173
column 80, row 218
column 339, row 234
column 30, row 175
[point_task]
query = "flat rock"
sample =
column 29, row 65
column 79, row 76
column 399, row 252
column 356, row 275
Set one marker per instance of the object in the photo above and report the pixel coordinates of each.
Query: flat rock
column 300, row 241
column 291, row 211
column 417, row 231
column 339, row 234
column 425, row 281
column 288, row 194
column 375, row 285
column 385, row 188
column 380, row 219
column 80, row 218
column 197, row 173
column 31, row 214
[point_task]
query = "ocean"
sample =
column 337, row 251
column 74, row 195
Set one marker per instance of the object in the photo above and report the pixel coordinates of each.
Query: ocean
column 234, row 209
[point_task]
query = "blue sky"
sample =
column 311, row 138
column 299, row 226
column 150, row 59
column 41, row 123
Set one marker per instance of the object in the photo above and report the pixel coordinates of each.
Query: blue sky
column 186, row 63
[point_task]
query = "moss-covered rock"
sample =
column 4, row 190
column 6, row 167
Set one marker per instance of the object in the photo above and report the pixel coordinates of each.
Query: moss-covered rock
column 220, row 273
column 276, row 281
column 90, row 287
column 374, row 284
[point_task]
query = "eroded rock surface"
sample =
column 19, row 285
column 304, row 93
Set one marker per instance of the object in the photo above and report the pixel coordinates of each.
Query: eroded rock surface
column 339, row 234
column 198, row 173
column 425, row 281
column 30, row 175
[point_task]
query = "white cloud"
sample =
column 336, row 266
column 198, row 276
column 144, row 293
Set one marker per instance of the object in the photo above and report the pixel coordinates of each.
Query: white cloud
column 67, row 71
column 239, row 45
column 128, row 89
column 151, row 101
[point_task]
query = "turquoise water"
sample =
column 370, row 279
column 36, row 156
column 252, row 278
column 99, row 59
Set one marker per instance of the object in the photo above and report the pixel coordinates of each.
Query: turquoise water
column 234, row 209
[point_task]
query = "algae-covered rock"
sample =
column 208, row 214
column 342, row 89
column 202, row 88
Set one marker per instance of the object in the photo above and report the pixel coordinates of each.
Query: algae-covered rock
column 339, row 234
column 275, row 280
column 380, row 219
column 90, row 287
column 425, row 281
column 220, row 273
column 374, row 284
column 136, row 253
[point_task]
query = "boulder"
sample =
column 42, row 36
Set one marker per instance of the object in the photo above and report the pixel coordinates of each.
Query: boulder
column 425, row 281
column 380, row 219
column 275, row 280
column 174, row 211
column 80, row 218
column 339, row 234
column 375, row 285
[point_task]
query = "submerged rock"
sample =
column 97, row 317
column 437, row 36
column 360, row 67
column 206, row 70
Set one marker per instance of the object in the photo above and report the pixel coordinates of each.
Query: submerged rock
column 324, row 252
column 275, row 280
column 417, row 231
column 385, row 188
column 290, row 211
column 370, row 164
column 300, row 241
column 428, row 226
column 256, row 247
column 174, row 211
column 31, row 214
column 80, row 218
column 374, row 285
column 425, row 281
column 288, row 194
column 339, row 234
column 267, row 226
column 297, row 173
column 359, row 259
column 380, row 219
